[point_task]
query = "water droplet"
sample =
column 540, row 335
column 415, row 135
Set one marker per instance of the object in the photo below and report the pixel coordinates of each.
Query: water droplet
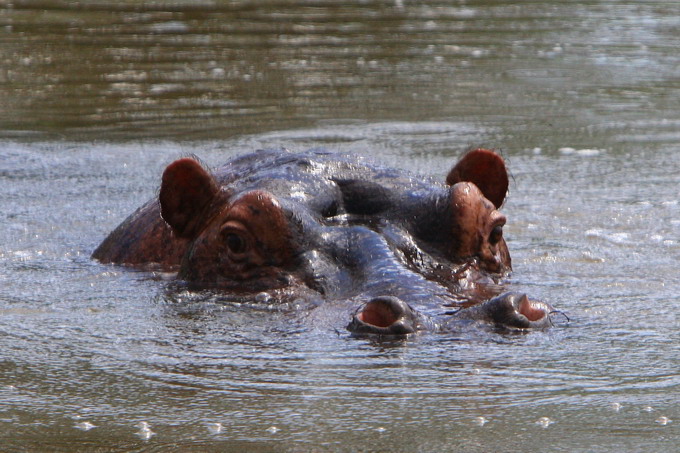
column 663, row 421
column 480, row 421
column 144, row 432
column 476, row 371
column 616, row 407
column 380, row 429
column 85, row 426
column 272, row 429
column 648, row 409
column 263, row 298
column 544, row 422
column 215, row 428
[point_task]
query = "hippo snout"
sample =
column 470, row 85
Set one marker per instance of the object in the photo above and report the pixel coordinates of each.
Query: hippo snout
column 385, row 315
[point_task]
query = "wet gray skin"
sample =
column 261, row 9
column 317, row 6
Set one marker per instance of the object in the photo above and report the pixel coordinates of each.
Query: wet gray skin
column 395, row 244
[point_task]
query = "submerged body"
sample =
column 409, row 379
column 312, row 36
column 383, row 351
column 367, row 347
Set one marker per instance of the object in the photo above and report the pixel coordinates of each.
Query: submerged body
column 395, row 244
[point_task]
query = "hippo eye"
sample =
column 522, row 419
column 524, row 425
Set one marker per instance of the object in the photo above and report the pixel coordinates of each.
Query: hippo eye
column 236, row 239
column 496, row 235
column 236, row 243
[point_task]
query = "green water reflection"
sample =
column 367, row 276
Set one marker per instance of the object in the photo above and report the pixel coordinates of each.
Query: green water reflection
column 188, row 70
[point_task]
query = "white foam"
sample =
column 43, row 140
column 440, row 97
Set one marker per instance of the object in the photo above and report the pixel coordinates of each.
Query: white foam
column 84, row 426
column 585, row 152
column 144, row 432
column 480, row 421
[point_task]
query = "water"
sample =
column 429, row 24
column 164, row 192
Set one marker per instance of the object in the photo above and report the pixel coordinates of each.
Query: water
column 580, row 96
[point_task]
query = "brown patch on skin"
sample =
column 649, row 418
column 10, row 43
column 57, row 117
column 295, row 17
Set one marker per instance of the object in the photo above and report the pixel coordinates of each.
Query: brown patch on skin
column 262, row 215
column 477, row 228
column 248, row 242
column 143, row 239
column 214, row 239
column 486, row 170
column 189, row 196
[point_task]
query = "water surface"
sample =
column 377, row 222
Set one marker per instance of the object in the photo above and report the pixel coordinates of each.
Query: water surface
column 580, row 96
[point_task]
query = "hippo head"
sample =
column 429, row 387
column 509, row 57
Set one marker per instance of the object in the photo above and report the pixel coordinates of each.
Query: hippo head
column 335, row 230
column 333, row 227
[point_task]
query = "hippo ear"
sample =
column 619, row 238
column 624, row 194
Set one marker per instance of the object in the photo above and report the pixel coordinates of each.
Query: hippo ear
column 486, row 170
column 187, row 191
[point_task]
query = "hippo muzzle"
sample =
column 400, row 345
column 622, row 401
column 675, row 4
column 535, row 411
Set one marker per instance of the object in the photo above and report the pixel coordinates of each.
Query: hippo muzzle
column 390, row 316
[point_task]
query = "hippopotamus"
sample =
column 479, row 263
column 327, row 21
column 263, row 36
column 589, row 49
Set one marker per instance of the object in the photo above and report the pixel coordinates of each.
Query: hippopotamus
column 411, row 253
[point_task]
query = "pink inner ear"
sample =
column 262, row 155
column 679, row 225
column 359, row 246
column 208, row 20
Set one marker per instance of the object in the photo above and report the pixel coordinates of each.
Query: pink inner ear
column 486, row 170
column 186, row 190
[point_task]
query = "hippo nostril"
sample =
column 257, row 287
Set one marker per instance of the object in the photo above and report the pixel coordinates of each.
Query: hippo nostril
column 379, row 313
column 384, row 315
column 532, row 311
column 513, row 310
